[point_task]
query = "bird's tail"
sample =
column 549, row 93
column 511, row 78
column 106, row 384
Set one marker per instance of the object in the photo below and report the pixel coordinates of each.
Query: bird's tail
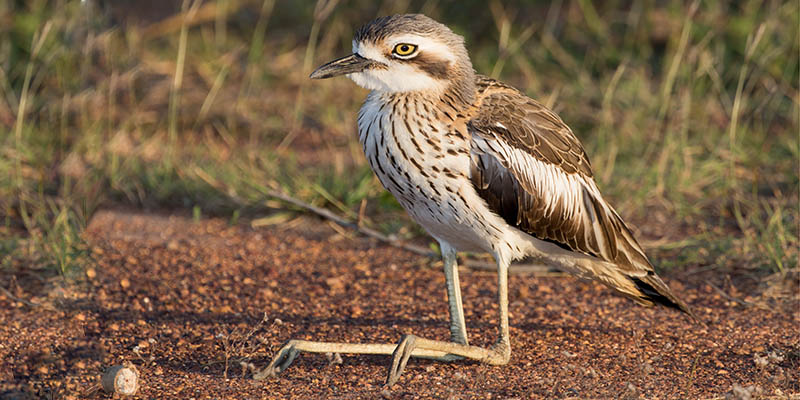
column 633, row 275
column 620, row 261
column 654, row 291
column 642, row 286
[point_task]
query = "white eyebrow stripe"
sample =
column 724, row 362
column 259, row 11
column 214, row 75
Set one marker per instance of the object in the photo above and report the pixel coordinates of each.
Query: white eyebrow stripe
column 424, row 44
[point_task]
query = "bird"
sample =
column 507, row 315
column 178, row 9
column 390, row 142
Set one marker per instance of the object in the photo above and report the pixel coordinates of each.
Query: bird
column 482, row 168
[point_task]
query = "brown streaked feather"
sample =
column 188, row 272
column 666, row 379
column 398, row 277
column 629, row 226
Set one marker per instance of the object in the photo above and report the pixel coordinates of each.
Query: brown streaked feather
column 530, row 126
column 581, row 222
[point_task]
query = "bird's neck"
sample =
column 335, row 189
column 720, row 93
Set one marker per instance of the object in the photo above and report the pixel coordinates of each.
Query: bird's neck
column 457, row 98
column 461, row 92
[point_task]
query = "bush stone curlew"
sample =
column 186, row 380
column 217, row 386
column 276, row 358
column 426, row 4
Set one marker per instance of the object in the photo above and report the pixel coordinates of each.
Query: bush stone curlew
column 482, row 168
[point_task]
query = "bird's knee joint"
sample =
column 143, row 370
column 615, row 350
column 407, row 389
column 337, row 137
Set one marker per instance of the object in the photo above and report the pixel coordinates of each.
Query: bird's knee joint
column 408, row 338
column 499, row 354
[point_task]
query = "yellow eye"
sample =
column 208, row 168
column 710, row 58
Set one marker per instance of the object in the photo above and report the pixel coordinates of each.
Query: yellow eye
column 404, row 49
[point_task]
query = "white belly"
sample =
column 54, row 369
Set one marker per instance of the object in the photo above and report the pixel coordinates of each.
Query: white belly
column 428, row 172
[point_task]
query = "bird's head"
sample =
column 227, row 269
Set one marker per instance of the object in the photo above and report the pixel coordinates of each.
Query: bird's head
column 404, row 53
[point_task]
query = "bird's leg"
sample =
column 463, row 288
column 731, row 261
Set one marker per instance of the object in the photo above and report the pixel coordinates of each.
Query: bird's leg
column 413, row 346
column 503, row 345
column 458, row 328
column 458, row 331
column 498, row 354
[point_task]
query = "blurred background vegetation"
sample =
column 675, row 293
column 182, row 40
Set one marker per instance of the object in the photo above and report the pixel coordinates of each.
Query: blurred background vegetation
column 689, row 112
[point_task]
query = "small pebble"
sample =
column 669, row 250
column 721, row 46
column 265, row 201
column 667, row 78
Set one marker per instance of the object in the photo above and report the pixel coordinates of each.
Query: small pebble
column 121, row 379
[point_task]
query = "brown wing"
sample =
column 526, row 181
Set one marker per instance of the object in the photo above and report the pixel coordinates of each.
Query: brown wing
column 530, row 126
column 533, row 172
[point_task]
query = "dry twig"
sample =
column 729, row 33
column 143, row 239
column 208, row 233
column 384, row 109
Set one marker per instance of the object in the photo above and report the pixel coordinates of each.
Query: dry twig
column 8, row 294
column 729, row 297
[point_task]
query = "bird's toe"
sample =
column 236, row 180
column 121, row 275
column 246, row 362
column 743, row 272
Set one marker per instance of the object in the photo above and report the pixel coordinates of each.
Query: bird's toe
column 400, row 358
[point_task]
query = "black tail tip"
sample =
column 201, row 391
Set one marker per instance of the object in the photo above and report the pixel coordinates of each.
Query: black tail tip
column 657, row 297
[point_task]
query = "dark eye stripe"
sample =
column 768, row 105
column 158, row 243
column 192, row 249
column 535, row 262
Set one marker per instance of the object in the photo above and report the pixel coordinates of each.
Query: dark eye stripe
column 435, row 67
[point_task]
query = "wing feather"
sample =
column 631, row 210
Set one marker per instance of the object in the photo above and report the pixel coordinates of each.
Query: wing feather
column 534, row 173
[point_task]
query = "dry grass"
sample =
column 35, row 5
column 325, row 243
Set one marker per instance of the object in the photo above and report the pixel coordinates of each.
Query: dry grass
column 689, row 114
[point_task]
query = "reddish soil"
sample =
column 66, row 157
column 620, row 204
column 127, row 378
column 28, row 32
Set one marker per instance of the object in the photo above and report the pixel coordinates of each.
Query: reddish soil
column 188, row 302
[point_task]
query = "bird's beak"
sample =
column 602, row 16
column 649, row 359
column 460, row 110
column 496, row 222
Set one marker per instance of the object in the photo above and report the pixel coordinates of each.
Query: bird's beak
column 342, row 66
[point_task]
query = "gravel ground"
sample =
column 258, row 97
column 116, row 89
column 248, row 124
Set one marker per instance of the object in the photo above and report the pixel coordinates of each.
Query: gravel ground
column 194, row 306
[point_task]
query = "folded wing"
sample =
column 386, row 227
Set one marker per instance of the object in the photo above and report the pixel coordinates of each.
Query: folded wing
column 532, row 171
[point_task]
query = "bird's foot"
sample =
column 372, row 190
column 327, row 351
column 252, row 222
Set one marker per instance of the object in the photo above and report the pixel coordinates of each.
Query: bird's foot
column 409, row 346
column 280, row 362
column 499, row 354
column 287, row 354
